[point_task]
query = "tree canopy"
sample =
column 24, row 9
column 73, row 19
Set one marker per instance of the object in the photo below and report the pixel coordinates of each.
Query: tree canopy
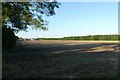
column 18, row 15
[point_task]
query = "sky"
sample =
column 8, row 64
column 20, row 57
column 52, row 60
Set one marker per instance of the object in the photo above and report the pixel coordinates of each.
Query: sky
column 78, row 19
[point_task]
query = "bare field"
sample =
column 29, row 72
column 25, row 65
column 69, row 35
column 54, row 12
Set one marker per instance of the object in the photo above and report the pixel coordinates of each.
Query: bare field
column 62, row 59
column 65, row 41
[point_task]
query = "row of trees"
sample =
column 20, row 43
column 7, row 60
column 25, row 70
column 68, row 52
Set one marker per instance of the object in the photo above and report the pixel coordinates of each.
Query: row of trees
column 89, row 37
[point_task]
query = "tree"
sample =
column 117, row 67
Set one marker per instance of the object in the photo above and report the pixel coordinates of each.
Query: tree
column 17, row 16
column 8, row 38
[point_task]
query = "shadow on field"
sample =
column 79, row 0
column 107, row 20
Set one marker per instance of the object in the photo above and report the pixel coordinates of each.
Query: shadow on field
column 96, row 60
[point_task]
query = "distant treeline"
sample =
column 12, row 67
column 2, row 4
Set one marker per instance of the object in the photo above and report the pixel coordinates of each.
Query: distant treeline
column 89, row 37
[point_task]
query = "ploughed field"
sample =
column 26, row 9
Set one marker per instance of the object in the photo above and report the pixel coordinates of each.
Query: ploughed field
column 62, row 59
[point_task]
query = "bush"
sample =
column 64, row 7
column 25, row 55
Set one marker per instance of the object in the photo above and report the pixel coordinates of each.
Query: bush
column 8, row 38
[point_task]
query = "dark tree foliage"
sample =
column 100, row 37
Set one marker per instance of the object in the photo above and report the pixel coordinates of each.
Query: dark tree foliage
column 18, row 16
column 9, row 38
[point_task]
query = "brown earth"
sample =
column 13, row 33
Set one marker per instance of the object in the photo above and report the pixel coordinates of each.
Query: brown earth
column 62, row 59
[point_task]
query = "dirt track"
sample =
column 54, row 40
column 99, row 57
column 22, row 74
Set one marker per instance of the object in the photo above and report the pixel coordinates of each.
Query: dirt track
column 62, row 59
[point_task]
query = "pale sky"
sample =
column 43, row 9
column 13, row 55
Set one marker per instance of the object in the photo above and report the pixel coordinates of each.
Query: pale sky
column 79, row 18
